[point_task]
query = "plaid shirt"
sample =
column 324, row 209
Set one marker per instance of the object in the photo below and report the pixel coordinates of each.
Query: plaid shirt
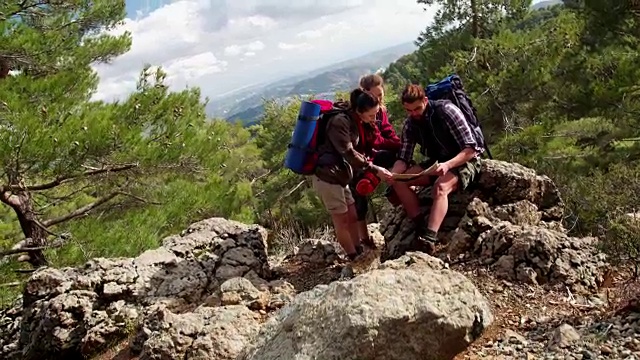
column 456, row 122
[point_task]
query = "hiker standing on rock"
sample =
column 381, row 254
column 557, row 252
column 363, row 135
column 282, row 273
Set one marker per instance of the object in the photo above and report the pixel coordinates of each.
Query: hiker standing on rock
column 446, row 137
column 382, row 145
column 337, row 159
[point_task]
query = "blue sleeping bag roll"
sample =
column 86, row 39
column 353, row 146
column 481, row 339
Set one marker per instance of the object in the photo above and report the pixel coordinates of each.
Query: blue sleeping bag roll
column 303, row 135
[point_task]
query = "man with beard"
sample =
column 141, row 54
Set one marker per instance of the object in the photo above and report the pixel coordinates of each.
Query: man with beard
column 445, row 137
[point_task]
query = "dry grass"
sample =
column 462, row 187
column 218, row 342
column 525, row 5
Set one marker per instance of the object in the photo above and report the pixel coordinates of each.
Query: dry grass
column 284, row 239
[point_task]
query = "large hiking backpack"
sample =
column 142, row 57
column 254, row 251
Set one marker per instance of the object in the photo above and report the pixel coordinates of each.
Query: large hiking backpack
column 452, row 89
column 308, row 134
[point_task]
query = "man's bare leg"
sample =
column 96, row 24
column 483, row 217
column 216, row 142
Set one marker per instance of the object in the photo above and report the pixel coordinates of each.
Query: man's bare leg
column 425, row 238
column 405, row 193
column 443, row 186
column 409, row 199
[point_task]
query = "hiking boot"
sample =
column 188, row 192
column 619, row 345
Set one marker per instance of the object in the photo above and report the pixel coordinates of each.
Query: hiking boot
column 424, row 245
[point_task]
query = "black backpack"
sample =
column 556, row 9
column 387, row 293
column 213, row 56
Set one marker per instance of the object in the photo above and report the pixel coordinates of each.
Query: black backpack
column 452, row 89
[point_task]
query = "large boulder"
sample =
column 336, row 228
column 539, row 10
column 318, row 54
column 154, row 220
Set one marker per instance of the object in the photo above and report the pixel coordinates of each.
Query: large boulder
column 539, row 255
column 511, row 220
column 410, row 308
column 219, row 333
column 77, row 312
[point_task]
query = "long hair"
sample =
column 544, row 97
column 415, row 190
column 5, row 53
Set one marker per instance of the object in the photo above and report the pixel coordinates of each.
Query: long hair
column 372, row 80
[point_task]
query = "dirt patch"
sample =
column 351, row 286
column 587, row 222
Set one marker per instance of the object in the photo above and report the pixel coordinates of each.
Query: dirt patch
column 119, row 352
column 535, row 313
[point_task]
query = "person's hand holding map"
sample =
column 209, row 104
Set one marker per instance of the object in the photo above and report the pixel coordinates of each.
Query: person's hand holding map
column 408, row 177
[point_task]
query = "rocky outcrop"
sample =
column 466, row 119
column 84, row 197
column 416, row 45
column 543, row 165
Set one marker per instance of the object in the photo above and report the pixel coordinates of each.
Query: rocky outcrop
column 219, row 333
column 318, row 252
column 218, row 329
column 410, row 308
column 209, row 293
column 511, row 220
column 435, row 311
column 76, row 312
column 206, row 294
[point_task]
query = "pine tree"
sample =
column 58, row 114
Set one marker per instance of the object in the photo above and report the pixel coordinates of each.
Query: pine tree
column 61, row 155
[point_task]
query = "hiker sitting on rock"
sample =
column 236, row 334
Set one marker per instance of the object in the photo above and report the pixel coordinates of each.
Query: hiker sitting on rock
column 445, row 136
column 381, row 144
column 337, row 160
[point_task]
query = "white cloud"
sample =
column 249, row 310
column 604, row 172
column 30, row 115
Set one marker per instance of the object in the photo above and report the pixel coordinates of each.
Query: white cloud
column 257, row 21
column 328, row 29
column 310, row 34
column 296, row 46
column 193, row 67
column 233, row 50
column 252, row 47
column 214, row 44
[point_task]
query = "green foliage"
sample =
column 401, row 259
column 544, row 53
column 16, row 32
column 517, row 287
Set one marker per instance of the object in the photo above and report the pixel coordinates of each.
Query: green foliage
column 556, row 89
column 45, row 38
column 148, row 165
column 284, row 194
column 396, row 112
column 480, row 19
column 622, row 238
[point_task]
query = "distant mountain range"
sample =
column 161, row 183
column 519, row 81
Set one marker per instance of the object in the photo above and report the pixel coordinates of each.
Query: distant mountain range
column 246, row 106
column 546, row 3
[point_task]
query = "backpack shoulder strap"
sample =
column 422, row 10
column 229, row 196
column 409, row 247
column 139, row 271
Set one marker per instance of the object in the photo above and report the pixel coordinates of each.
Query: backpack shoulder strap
column 438, row 107
column 323, row 122
column 445, row 116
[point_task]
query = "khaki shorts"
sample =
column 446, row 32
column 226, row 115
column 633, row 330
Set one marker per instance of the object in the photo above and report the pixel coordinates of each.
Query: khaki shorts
column 336, row 198
column 466, row 173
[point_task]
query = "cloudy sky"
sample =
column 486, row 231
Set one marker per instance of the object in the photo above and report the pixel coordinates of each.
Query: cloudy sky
column 224, row 45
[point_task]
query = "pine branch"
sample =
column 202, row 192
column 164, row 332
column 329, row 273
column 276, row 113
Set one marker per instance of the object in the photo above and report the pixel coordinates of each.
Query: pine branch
column 82, row 211
column 59, row 242
column 22, row 7
column 64, row 179
column 85, row 210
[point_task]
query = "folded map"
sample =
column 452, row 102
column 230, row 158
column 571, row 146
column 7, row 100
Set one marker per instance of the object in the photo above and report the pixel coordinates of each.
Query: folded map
column 408, row 177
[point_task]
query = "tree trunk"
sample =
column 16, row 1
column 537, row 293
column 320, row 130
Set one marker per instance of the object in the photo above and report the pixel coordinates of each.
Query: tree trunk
column 4, row 68
column 22, row 204
column 475, row 19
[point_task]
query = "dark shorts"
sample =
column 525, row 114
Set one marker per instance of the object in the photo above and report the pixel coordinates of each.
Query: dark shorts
column 383, row 158
column 467, row 173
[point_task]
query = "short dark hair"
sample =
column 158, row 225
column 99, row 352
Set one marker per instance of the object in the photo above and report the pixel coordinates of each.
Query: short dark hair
column 412, row 93
column 362, row 100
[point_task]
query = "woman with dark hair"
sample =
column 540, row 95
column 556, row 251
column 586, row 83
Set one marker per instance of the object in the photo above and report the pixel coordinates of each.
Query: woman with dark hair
column 338, row 158
column 382, row 146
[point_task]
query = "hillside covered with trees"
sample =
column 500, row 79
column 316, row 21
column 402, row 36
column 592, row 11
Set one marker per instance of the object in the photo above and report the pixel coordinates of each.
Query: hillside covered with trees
column 557, row 89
